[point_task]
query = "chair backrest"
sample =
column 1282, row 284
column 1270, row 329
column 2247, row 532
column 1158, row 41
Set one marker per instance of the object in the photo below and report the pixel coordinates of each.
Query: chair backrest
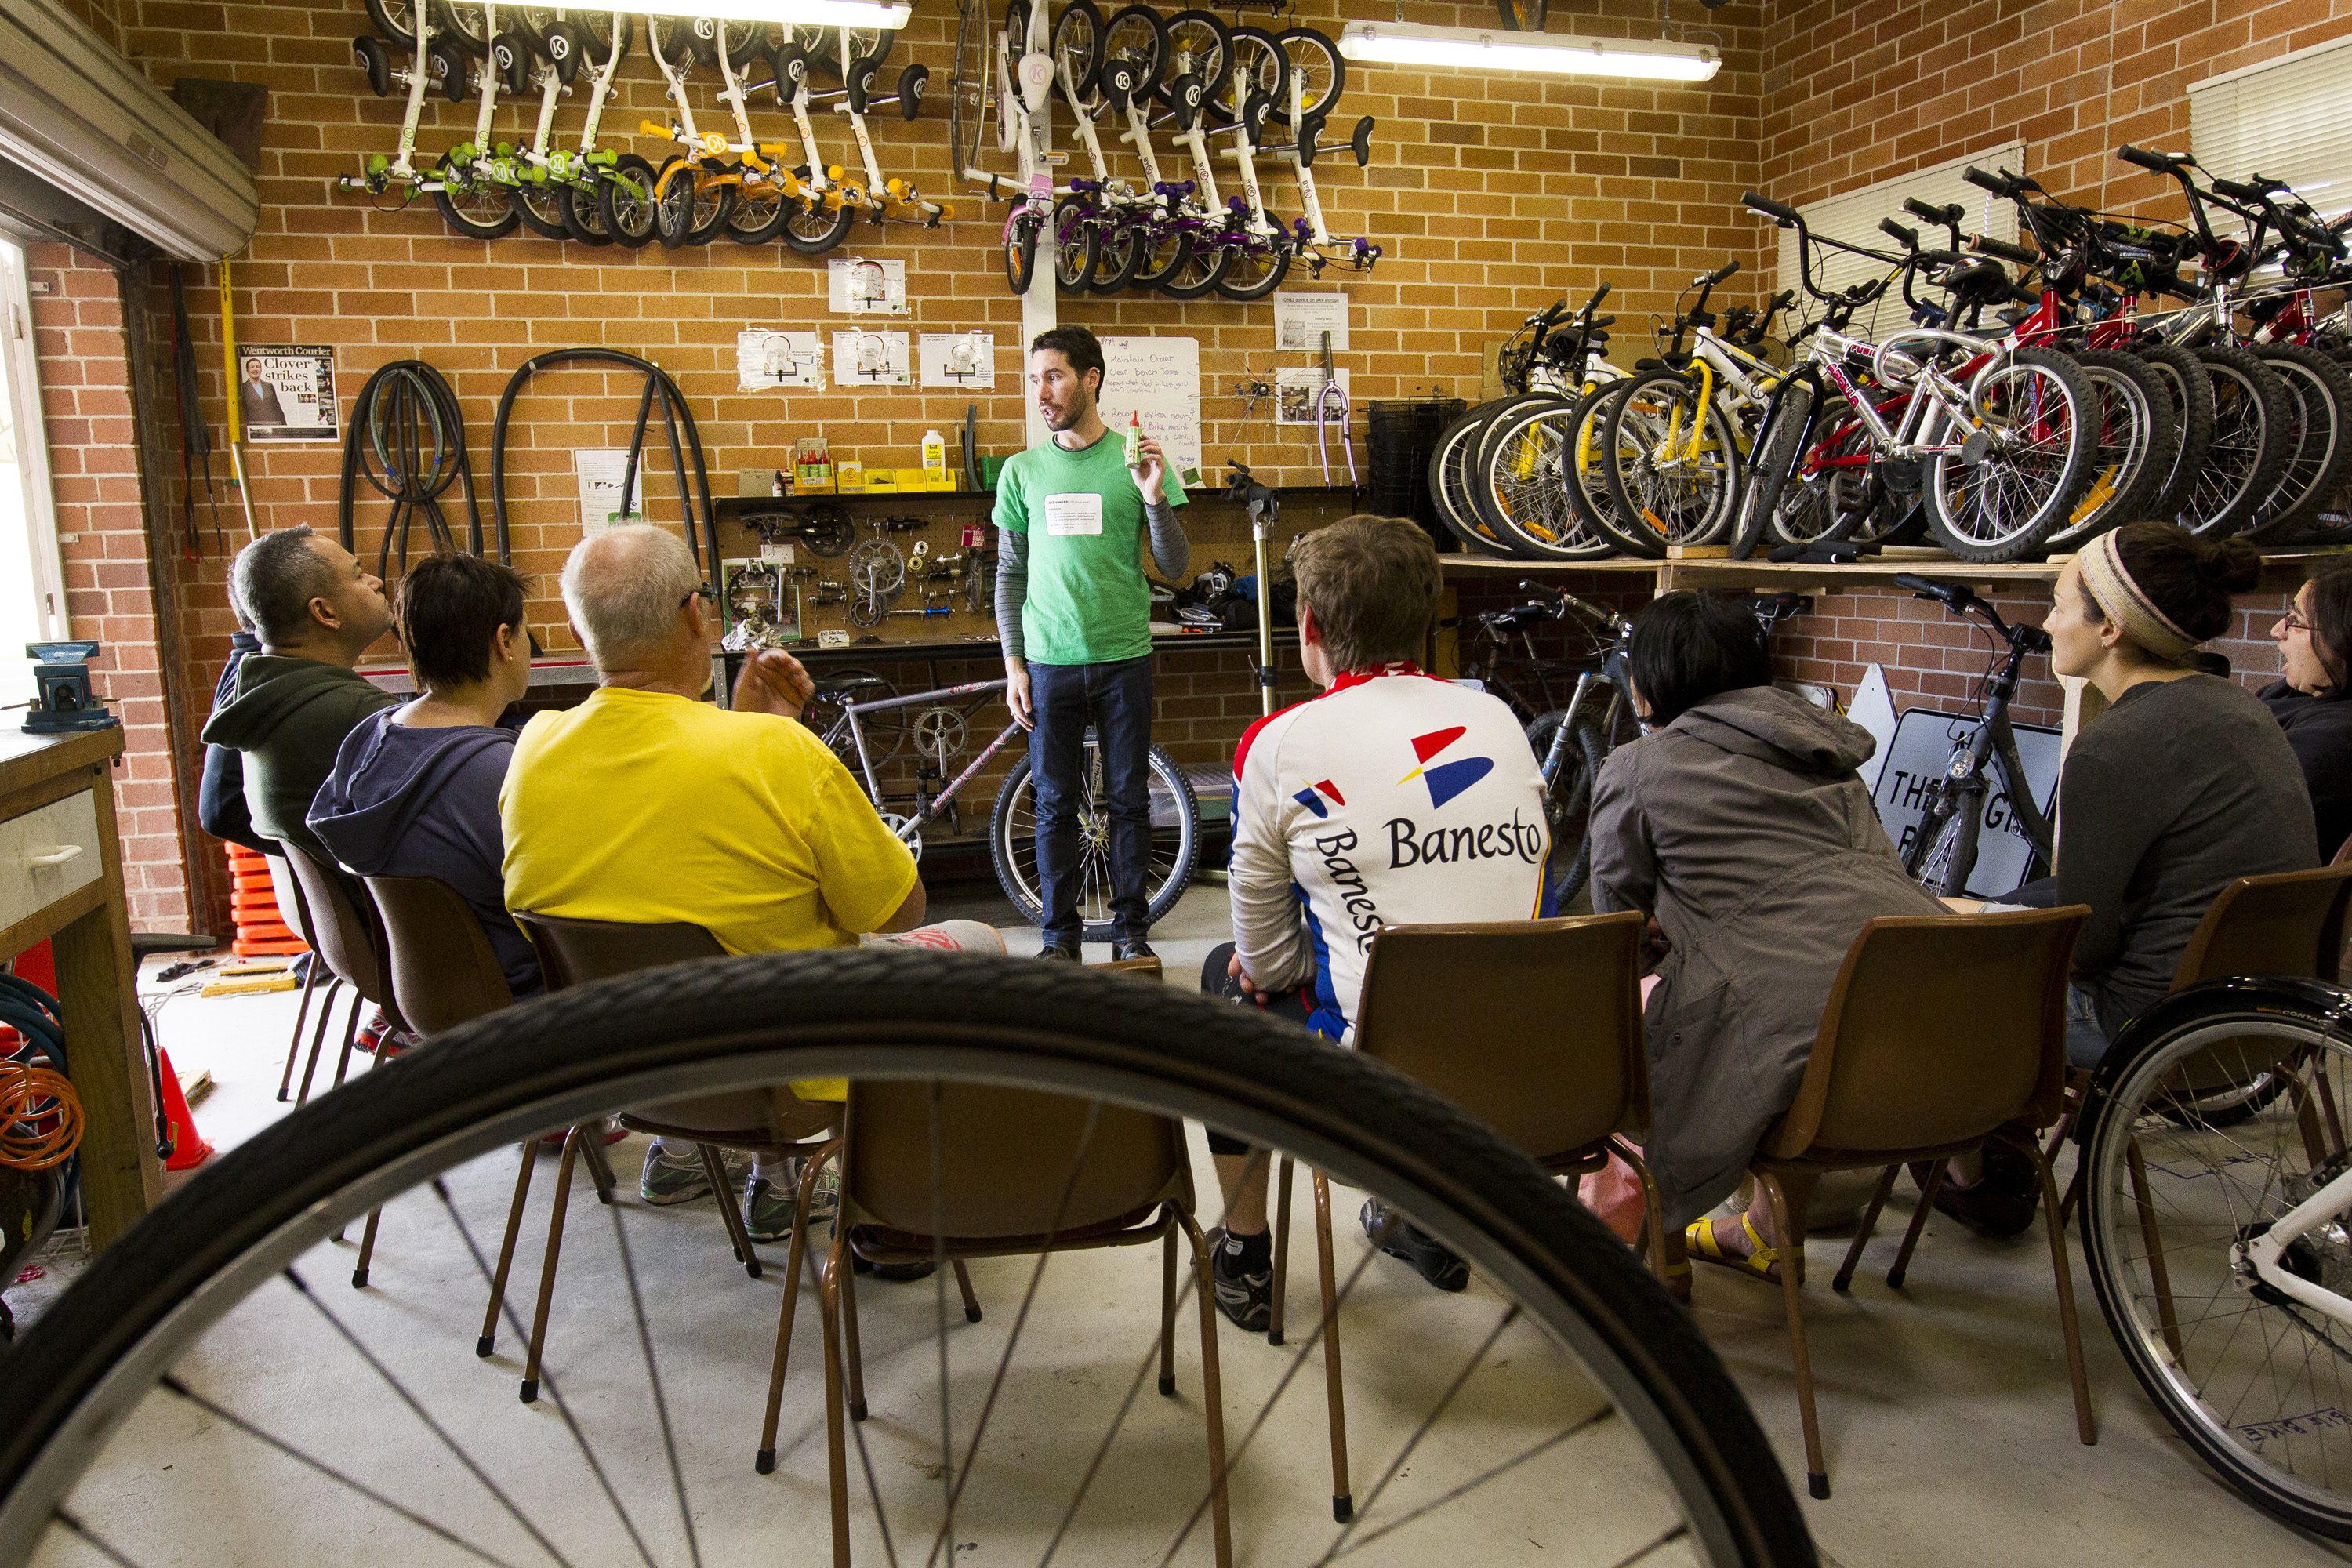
column 1004, row 1159
column 1533, row 1027
column 444, row 970
column 343, row 932
column 572, row 953
column 1939, row 1029
column 288, row 890
column 2291, row 923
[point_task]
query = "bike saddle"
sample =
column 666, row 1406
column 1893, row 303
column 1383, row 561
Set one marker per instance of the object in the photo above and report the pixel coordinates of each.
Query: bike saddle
column 835, row 685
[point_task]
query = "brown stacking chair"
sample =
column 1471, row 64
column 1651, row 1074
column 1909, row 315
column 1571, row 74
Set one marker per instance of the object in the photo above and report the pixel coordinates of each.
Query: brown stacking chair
column 771, row 1122
column 1534, row 1028
column 290, row 904
column 1942, row 1032
column 1005, row 1186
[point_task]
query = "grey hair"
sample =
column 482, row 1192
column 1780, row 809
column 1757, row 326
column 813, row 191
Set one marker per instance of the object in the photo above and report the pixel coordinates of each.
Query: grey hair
column 276, row 578
column 622, row 588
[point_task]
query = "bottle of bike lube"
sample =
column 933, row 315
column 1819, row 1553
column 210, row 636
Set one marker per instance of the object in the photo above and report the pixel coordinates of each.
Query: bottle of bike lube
column 1135, row 440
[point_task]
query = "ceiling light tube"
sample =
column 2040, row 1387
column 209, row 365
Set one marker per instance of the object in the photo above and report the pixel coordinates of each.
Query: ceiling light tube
column 809, row 13
column 1478, row 49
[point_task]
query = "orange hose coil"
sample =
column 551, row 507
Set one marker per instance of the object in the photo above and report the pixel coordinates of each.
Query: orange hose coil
column 40, row 1116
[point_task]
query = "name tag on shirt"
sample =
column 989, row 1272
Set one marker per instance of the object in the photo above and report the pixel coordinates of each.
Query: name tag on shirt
column 1078, row 513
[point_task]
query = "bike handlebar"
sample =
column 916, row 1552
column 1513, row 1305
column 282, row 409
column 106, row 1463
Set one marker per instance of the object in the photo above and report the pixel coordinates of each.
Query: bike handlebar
column 1962, row 601
column 2154, row 163
column 1721, row 273
column 1985, row 182
column 1909, row 239
column 1780, row 212
column 1946, row 216
column 1984, row 245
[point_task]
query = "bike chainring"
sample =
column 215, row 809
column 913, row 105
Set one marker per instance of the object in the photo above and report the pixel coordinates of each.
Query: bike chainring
column 941, row 734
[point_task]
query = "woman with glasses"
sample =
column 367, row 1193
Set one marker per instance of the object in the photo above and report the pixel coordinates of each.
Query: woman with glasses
column 2308, row 699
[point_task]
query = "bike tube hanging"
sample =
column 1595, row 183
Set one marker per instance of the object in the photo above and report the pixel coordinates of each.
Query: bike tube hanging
column 406, row 418
column 196, row 436
column 694, row 503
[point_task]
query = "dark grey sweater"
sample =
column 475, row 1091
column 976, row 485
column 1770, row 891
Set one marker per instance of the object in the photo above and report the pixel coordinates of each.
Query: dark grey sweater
column 2168, row 796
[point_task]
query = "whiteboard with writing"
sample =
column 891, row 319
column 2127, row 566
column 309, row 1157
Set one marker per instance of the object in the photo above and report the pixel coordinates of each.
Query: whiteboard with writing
column 1158, row 380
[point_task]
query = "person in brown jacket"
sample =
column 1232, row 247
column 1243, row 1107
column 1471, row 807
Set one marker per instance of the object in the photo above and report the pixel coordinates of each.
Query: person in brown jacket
column 1740, row 827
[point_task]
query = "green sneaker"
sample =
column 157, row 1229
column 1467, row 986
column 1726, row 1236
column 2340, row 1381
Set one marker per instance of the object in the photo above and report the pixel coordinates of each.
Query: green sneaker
column 665, row 1181
column 824, row 1201
column 767, row 1210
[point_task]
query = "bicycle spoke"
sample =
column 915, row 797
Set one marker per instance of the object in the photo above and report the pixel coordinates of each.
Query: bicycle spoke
column 653, row 1378
column 1676, row 1532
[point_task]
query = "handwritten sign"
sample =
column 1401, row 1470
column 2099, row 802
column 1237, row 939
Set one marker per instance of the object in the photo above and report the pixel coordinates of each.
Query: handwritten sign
column 1158, row 380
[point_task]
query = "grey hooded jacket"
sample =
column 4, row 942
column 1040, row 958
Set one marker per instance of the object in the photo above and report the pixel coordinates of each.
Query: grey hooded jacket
column 1742, row 829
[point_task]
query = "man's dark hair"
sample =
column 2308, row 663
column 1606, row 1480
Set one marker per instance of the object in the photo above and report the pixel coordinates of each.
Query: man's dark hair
column 1690, row 646
column 1076, row 345
column 450, row 606
column 2331, row 629
column 1372, row 583
column 276, row 578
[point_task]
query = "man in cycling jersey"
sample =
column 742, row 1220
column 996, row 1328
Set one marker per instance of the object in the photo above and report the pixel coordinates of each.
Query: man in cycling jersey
column 1393, row 797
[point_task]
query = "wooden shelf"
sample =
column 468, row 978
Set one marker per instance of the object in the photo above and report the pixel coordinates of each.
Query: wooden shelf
column 2283, row 570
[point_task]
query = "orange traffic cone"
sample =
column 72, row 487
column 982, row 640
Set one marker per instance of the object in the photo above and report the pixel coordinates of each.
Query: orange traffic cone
column 189, row 1149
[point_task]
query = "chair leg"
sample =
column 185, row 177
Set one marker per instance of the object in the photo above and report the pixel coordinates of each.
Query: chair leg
column 571, row 1141
column 2074, row 1194
column 351, row 1038
column 1786, row 1226
column 2159, row 1273
column 1653, row 1213
column 730, row 1215
column 1918, row 1223
column 294, row 1044
column 1212, row 1398
column 600, row 1165
column 1281, row 1252
column 963, row 1284
column 2085, row 1426
column 2306, row 1122
column 832, row 1298
column 1861, row 1233
column 765, row 1464
column 850, row 1347
column 490, row 1334
column 1168, row 1312
column 319, row 1041
column 1343, row 1497
column 367, row 1249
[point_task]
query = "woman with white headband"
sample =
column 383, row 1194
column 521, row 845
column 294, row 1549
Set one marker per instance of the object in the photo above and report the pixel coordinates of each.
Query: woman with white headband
column 2182, row 786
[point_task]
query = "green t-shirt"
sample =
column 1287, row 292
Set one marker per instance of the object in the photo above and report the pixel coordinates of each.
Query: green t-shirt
column 1088, row 602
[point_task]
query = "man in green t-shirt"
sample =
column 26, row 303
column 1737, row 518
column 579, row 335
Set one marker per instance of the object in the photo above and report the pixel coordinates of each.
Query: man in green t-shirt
column 1075, row 615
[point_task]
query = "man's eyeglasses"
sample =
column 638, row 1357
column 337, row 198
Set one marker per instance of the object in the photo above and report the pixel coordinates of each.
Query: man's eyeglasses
column 701, row 588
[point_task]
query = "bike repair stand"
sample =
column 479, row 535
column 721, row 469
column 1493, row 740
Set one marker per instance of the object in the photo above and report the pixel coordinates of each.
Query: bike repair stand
column 1264, row 507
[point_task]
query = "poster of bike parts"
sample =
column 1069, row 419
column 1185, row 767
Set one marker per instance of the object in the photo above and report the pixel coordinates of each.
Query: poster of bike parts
column 602, row 471
column 1298, row 393
column 765, row 359
column 859, row 287
column 1921, row 752
column 1158, row 379
column 958, row 360
column 285, row 391
column 871, row 359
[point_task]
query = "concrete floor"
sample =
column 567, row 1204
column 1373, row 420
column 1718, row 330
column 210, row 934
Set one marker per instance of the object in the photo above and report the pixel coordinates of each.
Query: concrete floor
column 1945, row 1406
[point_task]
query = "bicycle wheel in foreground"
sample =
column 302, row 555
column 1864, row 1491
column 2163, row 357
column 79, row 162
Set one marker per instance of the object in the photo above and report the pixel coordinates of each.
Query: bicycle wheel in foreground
column 1558, row 1398
column 2218, row 1114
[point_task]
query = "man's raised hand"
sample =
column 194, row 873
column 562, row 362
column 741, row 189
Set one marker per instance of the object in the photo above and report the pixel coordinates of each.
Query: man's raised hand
column 772, row 681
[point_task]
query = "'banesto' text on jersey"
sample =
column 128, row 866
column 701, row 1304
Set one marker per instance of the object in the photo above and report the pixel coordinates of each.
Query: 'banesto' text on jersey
column 1393, row 798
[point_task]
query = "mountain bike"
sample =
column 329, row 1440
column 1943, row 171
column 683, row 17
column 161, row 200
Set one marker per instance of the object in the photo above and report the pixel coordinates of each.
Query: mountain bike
column 641, row 1444
column 1960, row 806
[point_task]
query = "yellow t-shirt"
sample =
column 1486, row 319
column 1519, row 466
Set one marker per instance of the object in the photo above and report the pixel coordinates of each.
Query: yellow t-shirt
column 647, row 807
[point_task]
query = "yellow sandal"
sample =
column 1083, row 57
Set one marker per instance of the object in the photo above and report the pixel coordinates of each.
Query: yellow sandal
column 1764, row 1263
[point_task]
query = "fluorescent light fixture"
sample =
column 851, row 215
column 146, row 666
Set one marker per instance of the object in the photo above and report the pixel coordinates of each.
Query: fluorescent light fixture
column 811, row 13
column 1409, row 44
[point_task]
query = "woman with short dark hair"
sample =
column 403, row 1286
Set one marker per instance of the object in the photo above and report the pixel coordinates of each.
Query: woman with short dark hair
column 415, row 790
column 2308, row 699
column 1740, row 827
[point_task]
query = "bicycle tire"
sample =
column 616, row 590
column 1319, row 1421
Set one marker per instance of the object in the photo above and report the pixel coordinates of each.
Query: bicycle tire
column 1199, row 34
column 886, row 732
column 1260, row 67
column 2191, row 392
column 396, row 20
column 687, row 210
column 539, row 208
column 583, row 219
column 971, row 91
column 1568, row 804
column 2139, row 439
column 1525, row 490
column 1078, row 30
column 1075, row 242
column 2007, row 506
column 1693, row 505
column 463, row 21
column 760, row 213
column 1324, row 77
column 962, row 1018
column 624, row 196
column 1255, row 269
column 1020, row 247
column 476, row 211
column 2138, row 1136
column 2248, row 446
column 1013, row 846
column 1504, row 410
column 1449, row 486
column 813, row 228
column 2322, row 457
column 1942, row 855
column 1166, row 250
column 1770, row 472
column 1138, row 35
column 1523, row 16
column 1119, row 256
column 1200, row 270
column 674, row 39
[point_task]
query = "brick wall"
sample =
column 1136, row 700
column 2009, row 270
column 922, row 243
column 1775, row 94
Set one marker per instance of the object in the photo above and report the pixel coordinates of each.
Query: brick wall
column 86, row 405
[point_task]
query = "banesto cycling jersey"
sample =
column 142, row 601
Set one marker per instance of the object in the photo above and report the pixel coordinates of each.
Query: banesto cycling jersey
column 1393, row 798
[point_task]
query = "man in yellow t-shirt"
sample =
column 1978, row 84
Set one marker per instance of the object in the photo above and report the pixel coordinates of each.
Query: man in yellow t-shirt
column 646, row 804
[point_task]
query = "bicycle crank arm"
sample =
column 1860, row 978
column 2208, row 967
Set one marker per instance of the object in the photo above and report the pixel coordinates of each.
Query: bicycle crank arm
column 2262, row 1256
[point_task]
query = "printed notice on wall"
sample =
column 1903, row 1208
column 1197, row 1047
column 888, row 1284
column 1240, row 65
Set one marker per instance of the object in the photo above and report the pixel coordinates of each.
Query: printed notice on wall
column 870, row 359
column 967, row 360
column 1159, row 381
column 857, row 285
column 765, row 359
column 285, row 391
column 602, row 505
column 1299, row 396
column 1301, row 319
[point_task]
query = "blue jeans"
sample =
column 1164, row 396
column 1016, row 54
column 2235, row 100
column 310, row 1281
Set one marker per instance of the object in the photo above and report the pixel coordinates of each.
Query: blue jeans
column 1114, row 700
column 2086, row 1041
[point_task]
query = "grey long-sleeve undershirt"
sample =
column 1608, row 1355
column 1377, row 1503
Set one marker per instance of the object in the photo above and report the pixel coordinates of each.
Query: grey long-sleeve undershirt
column 1171, row 554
